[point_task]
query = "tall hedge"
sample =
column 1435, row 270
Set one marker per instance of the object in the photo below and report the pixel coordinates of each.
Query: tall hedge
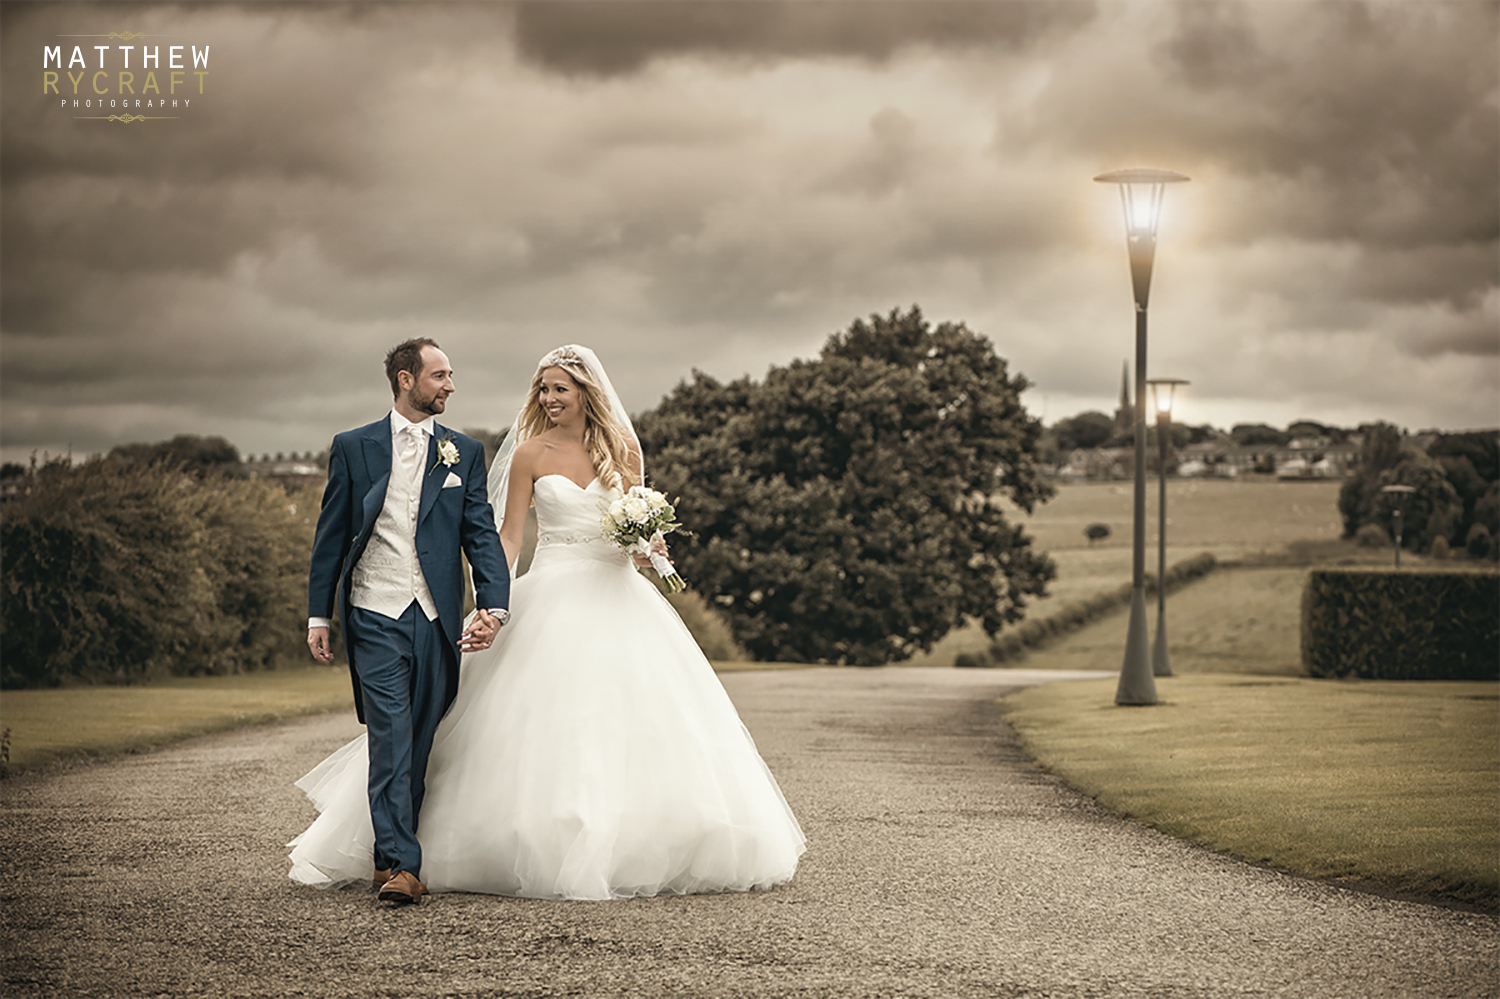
column 116, row 572
column 1409, row 625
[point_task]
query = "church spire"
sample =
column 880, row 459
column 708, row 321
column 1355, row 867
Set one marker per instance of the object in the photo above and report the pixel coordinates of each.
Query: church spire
column 1125, row 415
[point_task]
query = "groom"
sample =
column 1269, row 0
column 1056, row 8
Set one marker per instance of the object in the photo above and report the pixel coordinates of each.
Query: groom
column 404, row 496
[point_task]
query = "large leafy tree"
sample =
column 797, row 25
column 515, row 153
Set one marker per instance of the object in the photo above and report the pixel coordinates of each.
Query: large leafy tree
column 849, row 508
column 1086, row 430
column 1387, row 459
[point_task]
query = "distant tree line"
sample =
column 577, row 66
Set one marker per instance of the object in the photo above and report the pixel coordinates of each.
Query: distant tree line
column 1093, row 429
column 153, row 560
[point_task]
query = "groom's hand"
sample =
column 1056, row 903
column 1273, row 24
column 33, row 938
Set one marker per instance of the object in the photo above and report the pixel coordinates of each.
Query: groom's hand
column 480, row 632
column 321, row 645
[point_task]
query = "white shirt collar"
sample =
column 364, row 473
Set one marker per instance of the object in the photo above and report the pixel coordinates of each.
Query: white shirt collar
column 399, row 423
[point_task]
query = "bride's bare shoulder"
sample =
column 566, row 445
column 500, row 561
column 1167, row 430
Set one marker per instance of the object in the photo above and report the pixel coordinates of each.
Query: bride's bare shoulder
column 529, row 448
column 528, row 455
column 547, row 453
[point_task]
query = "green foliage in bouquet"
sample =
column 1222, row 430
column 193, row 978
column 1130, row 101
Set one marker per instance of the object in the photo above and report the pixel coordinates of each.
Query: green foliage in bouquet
column 847, row 509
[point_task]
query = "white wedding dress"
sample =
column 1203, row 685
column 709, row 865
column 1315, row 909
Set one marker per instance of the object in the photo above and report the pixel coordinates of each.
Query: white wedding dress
column 591, row 752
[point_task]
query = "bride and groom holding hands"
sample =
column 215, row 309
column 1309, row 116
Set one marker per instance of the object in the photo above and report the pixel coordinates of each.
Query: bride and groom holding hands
column 582, row 748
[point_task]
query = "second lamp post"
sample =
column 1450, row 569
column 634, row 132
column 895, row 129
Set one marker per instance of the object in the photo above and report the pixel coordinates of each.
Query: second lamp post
column 1397, row 495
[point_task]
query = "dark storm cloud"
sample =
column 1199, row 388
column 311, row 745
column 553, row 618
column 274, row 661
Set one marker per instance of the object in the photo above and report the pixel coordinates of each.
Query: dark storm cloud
column 1360, row 141
column 607, row 37
column 1385, row 114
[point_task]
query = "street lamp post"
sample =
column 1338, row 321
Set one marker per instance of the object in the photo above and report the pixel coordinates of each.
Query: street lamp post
column 1397, row 494
column 1162, row 392
column 1141, row 193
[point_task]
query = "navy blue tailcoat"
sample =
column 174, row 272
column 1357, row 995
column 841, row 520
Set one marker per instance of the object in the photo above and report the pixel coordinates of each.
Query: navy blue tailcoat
column 450, row 521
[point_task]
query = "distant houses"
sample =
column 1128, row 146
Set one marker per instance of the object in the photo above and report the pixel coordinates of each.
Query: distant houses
column 1300, row 458
column 292, row 471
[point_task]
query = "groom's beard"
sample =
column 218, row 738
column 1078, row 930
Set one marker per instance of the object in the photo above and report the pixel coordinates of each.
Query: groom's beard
column 433, row 405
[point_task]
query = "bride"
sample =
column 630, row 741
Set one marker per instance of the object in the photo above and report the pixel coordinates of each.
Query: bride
column 591, row 752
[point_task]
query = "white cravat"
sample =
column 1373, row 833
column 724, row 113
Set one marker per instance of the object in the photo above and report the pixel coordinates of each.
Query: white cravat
column 412, row 440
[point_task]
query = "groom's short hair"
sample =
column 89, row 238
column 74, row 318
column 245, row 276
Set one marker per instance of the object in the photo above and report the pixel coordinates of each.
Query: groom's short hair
column 406, row 356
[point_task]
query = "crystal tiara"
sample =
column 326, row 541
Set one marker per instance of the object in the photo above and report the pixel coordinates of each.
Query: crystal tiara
column 562, row 355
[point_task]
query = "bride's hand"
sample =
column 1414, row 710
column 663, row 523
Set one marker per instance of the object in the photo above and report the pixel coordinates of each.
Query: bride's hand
column 659, row 547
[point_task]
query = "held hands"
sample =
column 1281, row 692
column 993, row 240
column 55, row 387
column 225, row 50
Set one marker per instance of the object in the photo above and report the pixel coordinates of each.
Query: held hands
column 480, row 633
column 320, row 644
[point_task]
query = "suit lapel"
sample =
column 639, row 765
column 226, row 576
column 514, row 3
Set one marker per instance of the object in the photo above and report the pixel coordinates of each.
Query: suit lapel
column 377, row 450
column 434, row 473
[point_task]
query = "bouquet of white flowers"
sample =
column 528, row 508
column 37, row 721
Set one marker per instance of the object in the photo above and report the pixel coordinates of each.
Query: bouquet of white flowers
column 637, row 519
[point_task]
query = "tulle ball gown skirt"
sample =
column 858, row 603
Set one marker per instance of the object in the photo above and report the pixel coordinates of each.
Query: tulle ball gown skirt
column 591, row 754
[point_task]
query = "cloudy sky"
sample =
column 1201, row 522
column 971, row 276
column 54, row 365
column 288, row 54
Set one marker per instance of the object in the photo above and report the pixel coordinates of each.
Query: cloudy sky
column 720, row 186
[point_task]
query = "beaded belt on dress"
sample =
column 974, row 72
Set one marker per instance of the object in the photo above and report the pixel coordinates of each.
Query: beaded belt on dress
column 555, row 538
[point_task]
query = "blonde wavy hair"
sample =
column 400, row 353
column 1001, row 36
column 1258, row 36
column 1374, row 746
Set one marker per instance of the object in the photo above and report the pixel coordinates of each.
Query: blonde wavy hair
column 607, row 443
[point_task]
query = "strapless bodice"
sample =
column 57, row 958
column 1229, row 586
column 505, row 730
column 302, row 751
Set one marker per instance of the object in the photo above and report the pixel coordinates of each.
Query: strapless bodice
column 568, row 517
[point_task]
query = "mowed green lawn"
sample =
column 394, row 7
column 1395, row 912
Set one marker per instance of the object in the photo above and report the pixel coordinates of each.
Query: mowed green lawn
column 1387, row 783
column 47, row 725
column 1393, row 784
column 1383, row 782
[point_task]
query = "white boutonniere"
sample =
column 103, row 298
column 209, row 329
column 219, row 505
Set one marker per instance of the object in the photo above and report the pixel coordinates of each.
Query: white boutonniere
column 447, row 454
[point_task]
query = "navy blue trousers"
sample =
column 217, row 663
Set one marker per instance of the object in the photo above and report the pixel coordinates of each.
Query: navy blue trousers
column 401, row 674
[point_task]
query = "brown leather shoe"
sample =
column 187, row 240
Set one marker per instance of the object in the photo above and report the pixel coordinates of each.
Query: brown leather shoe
column 403, row 889
column 379, row 880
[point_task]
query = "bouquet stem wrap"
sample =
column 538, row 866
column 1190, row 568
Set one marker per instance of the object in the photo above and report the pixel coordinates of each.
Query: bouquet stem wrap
column 664, row 569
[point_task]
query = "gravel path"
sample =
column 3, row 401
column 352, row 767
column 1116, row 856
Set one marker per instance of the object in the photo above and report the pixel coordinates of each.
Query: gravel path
column 941, row 863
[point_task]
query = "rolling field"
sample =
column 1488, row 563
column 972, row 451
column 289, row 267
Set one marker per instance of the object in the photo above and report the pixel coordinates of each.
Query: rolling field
column 1232, row 519
column 1241, row 620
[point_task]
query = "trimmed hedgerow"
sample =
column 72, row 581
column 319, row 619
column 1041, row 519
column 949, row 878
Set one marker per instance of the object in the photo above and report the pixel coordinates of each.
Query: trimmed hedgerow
column 1411, row 625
